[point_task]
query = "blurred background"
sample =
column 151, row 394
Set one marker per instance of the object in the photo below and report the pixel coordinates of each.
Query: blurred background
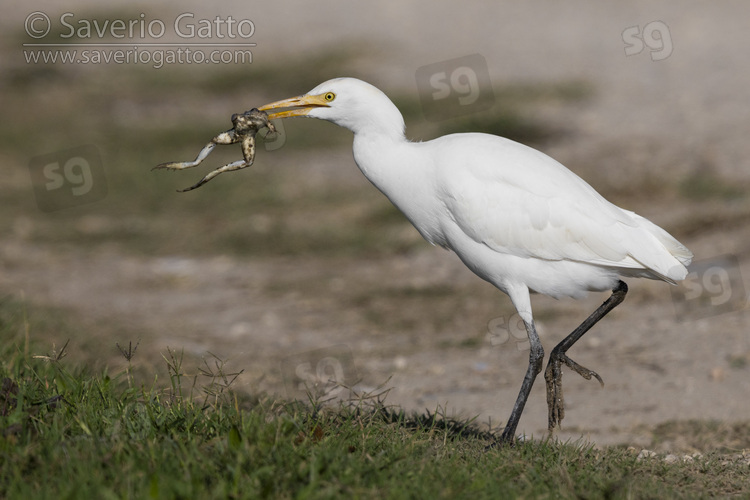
column 296, row 269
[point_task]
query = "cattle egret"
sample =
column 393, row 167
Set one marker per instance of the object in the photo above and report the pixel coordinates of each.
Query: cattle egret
column 514, row 216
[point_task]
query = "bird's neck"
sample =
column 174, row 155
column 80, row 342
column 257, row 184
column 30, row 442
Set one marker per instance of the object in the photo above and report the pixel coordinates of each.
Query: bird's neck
column 402, row 171
column 383, row 119
column 387, row 160
column 379, row 140
column 381, row 156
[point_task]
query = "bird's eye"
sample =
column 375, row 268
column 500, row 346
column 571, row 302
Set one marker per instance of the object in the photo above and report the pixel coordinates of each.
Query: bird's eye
column 330, row 96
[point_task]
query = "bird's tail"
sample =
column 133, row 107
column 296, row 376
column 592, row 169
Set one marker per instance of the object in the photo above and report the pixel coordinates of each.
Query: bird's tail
column 671, row 266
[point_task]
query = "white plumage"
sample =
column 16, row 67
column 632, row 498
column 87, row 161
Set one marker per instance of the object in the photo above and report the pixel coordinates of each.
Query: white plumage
column 515, row 217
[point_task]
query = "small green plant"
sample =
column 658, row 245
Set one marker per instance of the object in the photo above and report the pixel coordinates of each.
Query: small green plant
column 174, row 368
column 54, row 356
column 128, row 355
column 220, row 381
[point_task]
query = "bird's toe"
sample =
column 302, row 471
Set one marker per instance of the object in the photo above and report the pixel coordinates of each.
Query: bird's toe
column 553, row 378
column 581, row 370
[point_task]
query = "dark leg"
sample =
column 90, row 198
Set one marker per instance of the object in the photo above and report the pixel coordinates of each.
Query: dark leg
column 553, row 373
column 536, row 358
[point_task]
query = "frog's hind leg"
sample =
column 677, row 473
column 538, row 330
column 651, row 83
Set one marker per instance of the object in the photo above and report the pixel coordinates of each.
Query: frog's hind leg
column 228, row 137
column 236, row 165
column 248, row 149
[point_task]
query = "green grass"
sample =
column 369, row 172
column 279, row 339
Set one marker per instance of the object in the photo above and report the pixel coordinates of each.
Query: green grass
column 69, row 433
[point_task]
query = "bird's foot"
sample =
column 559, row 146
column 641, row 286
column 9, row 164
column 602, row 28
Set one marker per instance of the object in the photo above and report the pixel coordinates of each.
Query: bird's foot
column 553, row 377
column 500, row 442
column 507, row 438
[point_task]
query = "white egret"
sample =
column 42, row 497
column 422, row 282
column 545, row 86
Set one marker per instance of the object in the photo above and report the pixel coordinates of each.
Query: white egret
column 517, row 218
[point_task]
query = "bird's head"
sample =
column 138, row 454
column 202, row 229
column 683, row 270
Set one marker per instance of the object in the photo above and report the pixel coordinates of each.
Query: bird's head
column 347, row 102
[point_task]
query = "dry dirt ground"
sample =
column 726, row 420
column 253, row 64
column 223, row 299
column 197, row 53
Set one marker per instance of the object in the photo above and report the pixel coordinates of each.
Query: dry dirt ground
column 419, row 322
column 259, row 314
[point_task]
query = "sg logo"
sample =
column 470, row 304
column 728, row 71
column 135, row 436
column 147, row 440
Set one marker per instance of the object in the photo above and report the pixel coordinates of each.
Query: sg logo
column 272, row 142
column 455, row 87
column 655, row 36
column 68, row 178
column 501, row 330
column 712, row 286
column 463, row 81
column 76, row 172
column 328, row 371
column 322, row 372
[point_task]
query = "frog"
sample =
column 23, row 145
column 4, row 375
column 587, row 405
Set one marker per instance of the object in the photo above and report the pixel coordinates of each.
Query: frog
column 245, row 126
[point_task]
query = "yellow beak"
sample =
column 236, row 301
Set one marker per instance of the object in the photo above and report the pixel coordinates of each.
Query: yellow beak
column 301, row 105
